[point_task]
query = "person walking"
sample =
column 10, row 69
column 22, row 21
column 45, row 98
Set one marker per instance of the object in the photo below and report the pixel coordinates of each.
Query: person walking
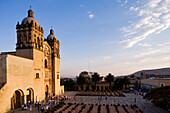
column 46, row 107
column 106, row 98
column 42, row 109
column 30, row 107
column 135, row 100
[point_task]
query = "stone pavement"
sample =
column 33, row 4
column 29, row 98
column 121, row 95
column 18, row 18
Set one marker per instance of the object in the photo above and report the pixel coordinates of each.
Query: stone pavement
column 146, row 106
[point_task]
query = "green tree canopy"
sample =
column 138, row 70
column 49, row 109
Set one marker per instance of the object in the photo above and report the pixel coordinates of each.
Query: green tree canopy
column 159, row 96
column 118, row 83
column 126, row 81
column 110, row 79
column 95, row 78
column 83, row 78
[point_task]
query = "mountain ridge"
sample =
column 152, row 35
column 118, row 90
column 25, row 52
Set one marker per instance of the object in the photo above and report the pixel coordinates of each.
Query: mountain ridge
column 160, row 71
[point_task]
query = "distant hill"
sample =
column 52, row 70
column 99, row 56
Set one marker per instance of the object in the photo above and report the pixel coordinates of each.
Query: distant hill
column 161, row 71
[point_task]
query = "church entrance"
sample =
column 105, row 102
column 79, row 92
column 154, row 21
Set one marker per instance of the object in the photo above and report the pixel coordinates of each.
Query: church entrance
column 46, row 91
column 30, row 95
column 17, row 99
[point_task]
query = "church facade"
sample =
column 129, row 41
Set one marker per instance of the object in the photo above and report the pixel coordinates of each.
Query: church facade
column 32, row 72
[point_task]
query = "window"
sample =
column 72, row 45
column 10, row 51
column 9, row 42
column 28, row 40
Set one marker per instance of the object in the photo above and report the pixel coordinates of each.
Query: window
column 102, row 88
column 45, row 63
column 97, row 88
column 162, row 84
column 37, row 75
column 156, row 84
column 57, row 76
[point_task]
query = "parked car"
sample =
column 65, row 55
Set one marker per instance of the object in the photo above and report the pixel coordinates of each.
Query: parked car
column 131, row 89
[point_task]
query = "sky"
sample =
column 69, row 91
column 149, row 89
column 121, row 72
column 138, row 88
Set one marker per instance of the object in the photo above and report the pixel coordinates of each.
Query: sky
column 105, row 36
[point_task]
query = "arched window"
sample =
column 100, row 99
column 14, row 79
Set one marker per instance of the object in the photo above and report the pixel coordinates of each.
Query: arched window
column 57, row 76
column 38, row 42
column 35, row 43
column 45, row 63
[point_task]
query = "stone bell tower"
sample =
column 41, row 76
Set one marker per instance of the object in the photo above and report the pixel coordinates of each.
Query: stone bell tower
column 29, row 36
column 55, row 47
column 30, row 45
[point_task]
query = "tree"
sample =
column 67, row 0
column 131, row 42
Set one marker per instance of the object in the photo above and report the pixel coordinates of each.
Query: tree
column 80, row 80
column 159, row 96
column 84, row 73
column 83, row 78
column 126, row 81
column 132, row 76
column 68, row 84
column 95, row 78
column 110, row 79
column 118, row 83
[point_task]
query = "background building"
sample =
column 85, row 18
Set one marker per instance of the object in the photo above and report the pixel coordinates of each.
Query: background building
column 153, row 83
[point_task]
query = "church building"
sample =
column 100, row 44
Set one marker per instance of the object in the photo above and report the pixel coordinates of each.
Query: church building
column 32, row 72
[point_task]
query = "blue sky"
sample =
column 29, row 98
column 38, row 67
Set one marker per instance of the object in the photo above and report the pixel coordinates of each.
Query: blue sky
column 107, row 36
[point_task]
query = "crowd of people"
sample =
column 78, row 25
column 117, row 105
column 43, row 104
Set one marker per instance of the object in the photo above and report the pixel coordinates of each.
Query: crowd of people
column 46, row 104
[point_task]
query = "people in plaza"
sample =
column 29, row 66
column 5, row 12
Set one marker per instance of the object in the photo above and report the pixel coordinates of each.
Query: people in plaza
column 39, row 103
column 42, row 109
column 28, row 104
column 35, row 104
column 46, row 107
column 46, row 104
column 55, row 102
column 135, row 100
column 49, row 101
column 30, row 107
column 23, row 107
column 106, row 98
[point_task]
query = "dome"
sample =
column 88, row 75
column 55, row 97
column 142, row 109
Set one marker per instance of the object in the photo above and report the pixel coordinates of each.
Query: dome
column 51, row 36
column 29, row 19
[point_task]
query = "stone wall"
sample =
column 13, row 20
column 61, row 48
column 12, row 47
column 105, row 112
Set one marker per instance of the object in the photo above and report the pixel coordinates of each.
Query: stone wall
column 19, row 76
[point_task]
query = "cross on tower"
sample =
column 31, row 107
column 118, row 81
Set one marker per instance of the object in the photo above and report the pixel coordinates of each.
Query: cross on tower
column 30, row 6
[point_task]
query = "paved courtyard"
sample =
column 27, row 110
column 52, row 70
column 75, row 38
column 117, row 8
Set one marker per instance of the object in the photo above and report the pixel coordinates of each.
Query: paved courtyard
column 146, row 106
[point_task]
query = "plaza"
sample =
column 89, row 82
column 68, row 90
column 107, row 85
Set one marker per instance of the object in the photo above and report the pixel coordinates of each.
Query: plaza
column 129, row 100
column 93, row 56
column 146, row 106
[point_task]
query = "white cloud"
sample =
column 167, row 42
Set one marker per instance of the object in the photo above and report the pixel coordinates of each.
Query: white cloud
column 123, row 2
column 132, row 62
column 134, row 9
column 149, row 53
column 165, row 44
column 91, row 16
column 106, row 58
column 81, row 5
column 145, row 45
column 153, row 16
